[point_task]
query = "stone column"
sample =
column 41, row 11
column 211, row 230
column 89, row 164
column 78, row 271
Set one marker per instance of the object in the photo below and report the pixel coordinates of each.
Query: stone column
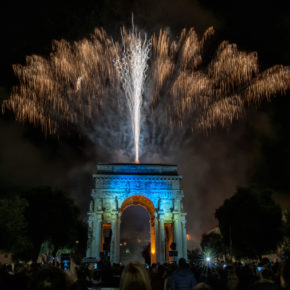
column 175, row 224
column 117, row 238
column 153, row 240
column 184, row 238
column 113, row 237
column 177, row 234
column 162, row 256
column 97, row 236
column 157, row 248
column 90, row 237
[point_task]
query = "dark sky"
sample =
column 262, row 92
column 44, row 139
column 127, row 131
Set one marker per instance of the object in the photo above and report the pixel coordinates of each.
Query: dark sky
column 254, row 150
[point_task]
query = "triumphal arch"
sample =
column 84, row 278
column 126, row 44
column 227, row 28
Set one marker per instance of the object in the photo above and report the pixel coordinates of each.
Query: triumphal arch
column 156, row 187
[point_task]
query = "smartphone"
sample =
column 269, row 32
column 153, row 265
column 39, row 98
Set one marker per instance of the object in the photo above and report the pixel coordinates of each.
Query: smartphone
column 65, row 261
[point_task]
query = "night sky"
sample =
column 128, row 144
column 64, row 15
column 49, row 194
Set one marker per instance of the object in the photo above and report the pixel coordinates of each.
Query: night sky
column 255, row 150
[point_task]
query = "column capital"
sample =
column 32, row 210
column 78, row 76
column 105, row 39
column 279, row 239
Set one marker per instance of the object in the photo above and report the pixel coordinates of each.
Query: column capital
column 162, row 254
column 183, row 219
column 175, row 216
column 91, row 206
column 99, row 215
column 114, row 215
column 91, row 216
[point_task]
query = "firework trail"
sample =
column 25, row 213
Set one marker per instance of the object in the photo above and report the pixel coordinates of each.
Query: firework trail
column 132, row 66
column 89, row 85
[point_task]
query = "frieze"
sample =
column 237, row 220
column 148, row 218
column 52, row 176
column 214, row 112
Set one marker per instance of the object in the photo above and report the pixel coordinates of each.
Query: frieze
column 136, row 182
column 152, row 194
column 119, row 168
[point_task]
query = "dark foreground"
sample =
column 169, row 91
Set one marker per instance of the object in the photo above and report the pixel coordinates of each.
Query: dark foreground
column 231, row 276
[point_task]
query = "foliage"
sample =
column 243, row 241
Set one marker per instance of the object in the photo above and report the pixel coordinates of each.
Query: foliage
column 80, row 245
column 53, row 217
column 13, row 226
column 250, row 222
column 37, row 216
column 214, row 242
column 194, row 255
column 287, row 223
column 284, row 250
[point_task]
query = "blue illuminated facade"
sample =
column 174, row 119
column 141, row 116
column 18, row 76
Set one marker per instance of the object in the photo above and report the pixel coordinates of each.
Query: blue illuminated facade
column 154, row 186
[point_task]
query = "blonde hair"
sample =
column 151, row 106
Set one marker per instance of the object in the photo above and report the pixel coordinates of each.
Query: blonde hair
column 135, row 277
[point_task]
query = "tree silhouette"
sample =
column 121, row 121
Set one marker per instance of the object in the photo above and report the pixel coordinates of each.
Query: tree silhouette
column 250, row 222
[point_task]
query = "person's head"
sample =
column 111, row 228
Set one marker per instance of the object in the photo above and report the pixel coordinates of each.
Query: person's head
column 285, row 274
column 161, row 271
column 182, row 263
column 134, row 277
column 49, row 278
column 266, row 274
column 202, row 286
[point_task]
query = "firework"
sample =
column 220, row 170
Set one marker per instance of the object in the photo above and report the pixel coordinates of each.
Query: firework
column 132, row 67
column 100, row 87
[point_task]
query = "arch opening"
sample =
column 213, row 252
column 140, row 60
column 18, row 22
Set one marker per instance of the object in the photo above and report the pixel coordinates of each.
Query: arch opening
column 136, row 204
column 134, row 234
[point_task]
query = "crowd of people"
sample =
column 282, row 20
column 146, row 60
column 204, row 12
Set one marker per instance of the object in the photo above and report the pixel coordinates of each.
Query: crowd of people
column 135, row 276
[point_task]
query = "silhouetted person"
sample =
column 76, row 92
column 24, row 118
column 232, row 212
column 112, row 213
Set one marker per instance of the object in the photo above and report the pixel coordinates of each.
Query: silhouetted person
column 232, row 278
column 202, row 286
column 80, row 283
column 285, row 275
column 157, row 280
column 265, row 282
column 135, row 277
column 183, row 278
column 49, row 278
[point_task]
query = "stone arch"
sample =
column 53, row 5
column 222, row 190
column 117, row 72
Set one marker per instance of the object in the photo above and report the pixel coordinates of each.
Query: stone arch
column 139, row 200
column 149, row 206
column 156, row 187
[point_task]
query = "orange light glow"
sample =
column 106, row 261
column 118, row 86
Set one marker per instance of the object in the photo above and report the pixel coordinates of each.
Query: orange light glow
column 125, row 244
column 153, row 251
column 188, row 237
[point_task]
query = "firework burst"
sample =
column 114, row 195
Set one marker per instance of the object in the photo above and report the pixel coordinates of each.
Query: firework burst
column 89, row 84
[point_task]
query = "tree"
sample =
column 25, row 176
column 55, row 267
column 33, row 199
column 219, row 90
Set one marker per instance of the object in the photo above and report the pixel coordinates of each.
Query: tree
column 52, row 216
column 13, row 227
column 250, row 222
column 287, row 223
column 194, row 255
column 285, row 245
column 80, row 246
column 214, row 242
